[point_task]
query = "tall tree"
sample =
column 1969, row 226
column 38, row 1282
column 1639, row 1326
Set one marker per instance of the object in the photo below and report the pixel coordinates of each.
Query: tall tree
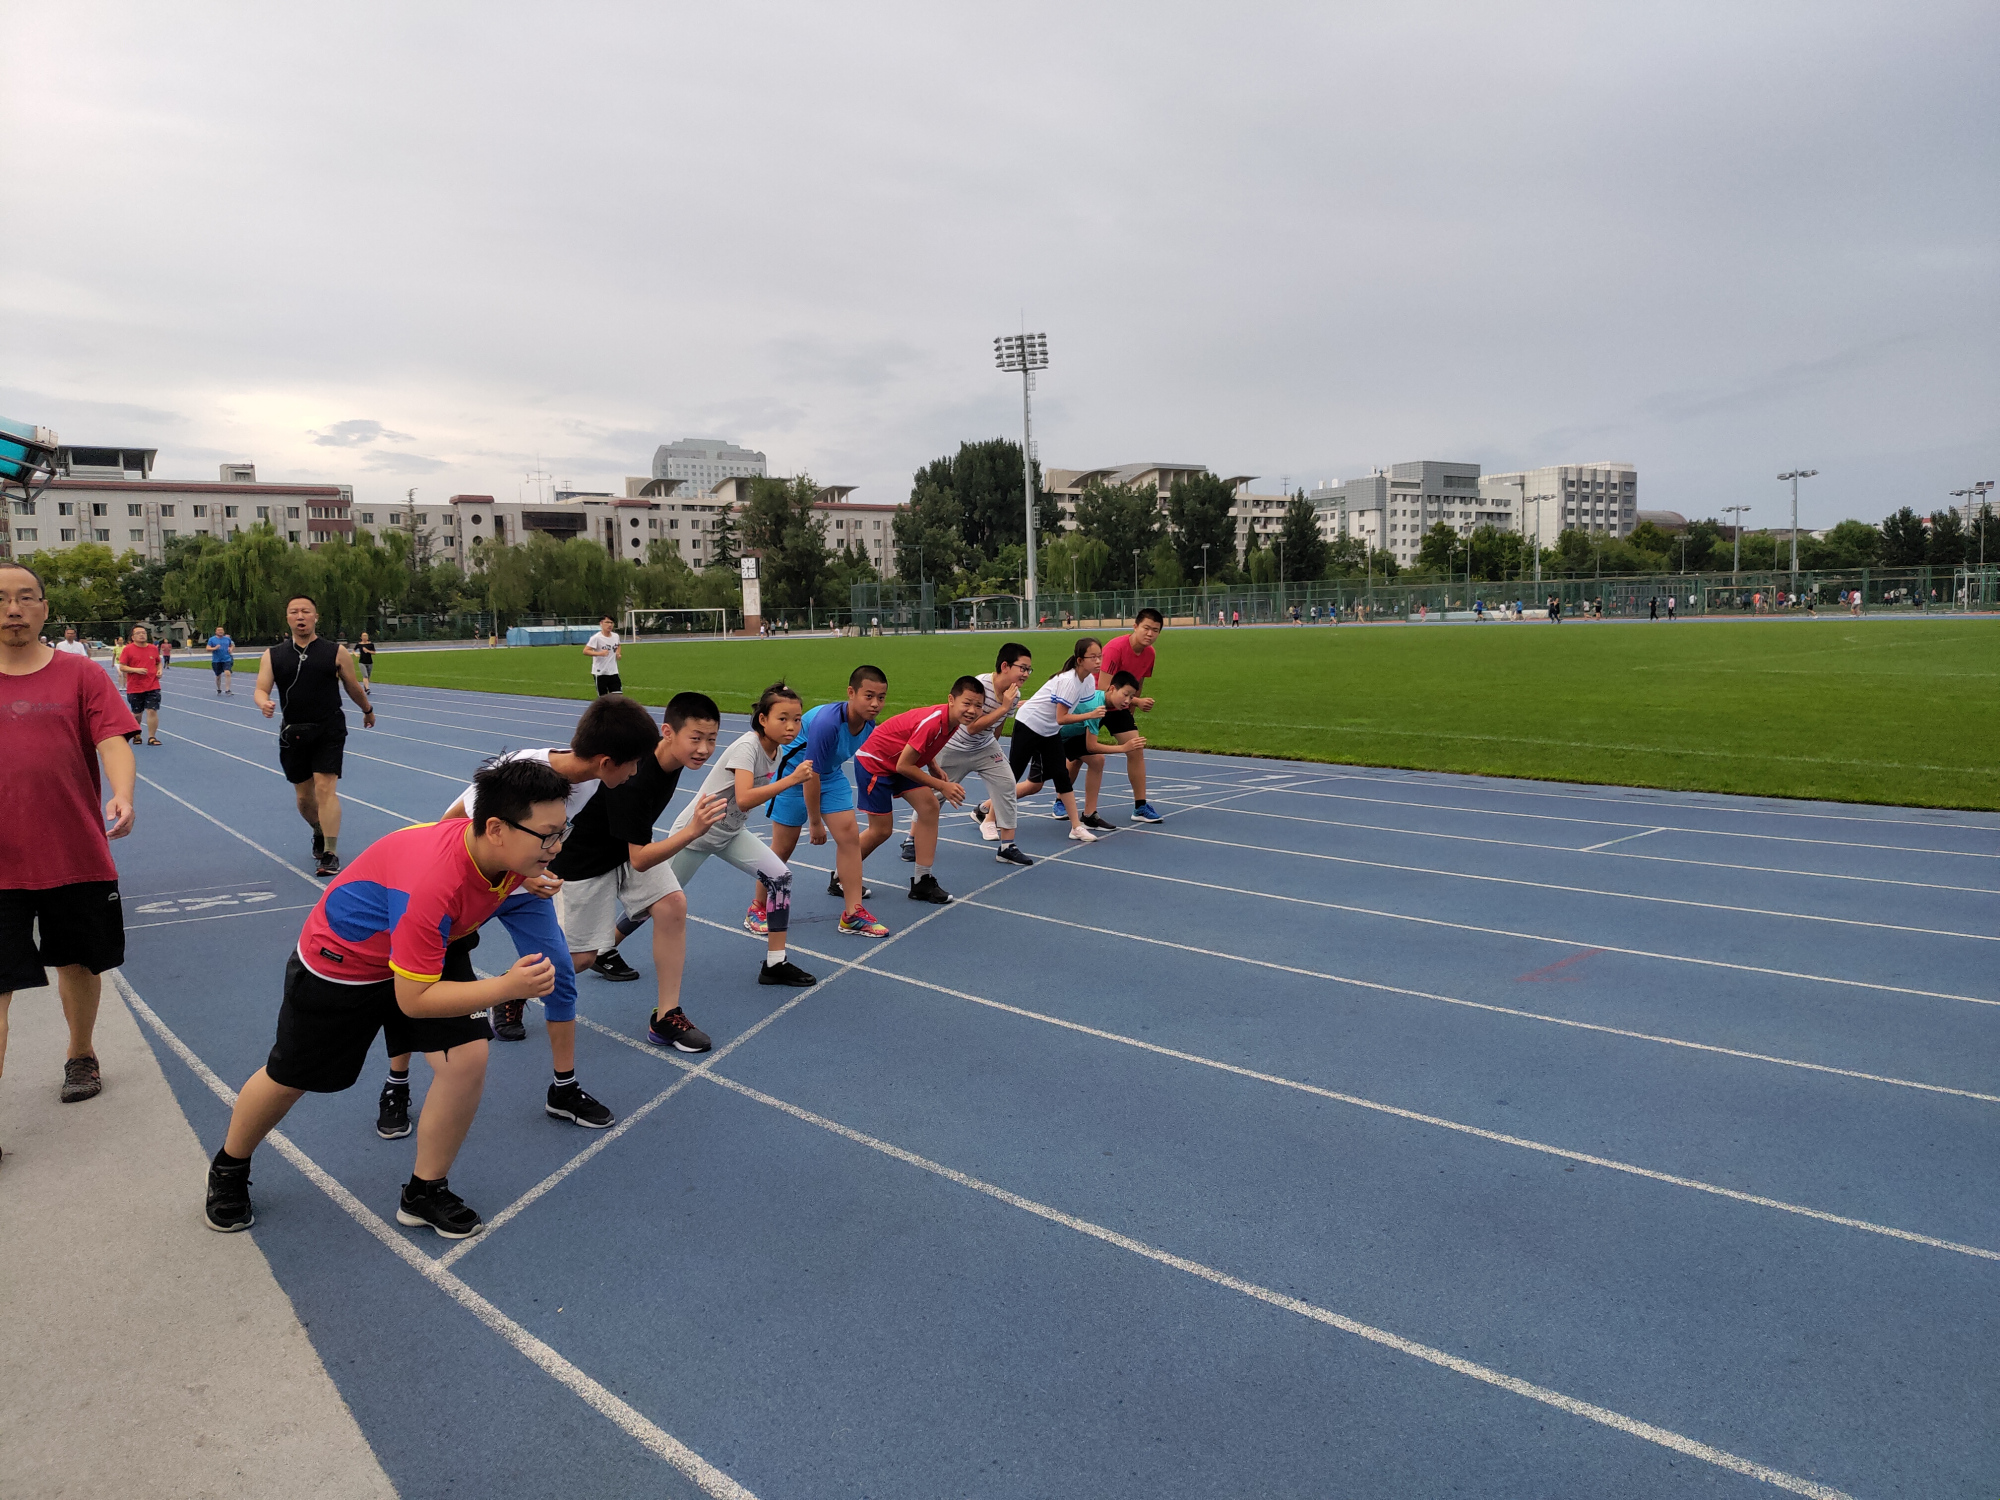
column 1441, row 551
column 1851, row 544
column 1903, row 541
column 780, row 524
column 1946, row 547
column 83, row 582
column 1198, row 511
column 1125, row 518
column 242, row 583
column 929, row 541
column 1305, row 550
column 986, row 478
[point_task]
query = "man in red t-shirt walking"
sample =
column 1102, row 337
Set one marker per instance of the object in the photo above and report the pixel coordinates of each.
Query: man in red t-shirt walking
column 1133, row 653
column 897, row 761
column 138, row 662
column 60, row 716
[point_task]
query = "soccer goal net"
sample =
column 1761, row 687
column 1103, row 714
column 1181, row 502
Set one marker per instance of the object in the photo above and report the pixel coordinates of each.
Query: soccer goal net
column 676, row 622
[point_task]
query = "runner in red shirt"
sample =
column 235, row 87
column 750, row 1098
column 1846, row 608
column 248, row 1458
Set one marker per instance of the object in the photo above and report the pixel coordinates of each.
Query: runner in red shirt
column 138, row 661
column 896, row 761
column 1134, row 653
column 388, row 950
column 59, row 718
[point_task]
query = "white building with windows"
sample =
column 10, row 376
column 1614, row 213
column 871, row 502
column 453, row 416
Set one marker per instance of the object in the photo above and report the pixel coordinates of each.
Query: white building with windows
column 1390, row 510
column 1599, row 498
column 700, row 464
column 108, row 496
column 865, row 526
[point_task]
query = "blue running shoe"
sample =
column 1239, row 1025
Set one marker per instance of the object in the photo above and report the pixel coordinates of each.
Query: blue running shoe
column 1145, row 812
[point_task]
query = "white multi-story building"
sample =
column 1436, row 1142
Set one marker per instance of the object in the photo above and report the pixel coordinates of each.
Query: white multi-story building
column 108, row 496
column 1391, row 510
column 1599, row 498
column 700, row 464
column 650, row 510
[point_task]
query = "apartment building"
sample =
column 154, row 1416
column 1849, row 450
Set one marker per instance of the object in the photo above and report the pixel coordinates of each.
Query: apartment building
column 867, row 526
column 700, row 464
column 108, row 496
column 1390, row 510
column 1599, row 498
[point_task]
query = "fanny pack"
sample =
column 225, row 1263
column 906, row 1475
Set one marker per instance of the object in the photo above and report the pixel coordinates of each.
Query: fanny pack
column 298, row 736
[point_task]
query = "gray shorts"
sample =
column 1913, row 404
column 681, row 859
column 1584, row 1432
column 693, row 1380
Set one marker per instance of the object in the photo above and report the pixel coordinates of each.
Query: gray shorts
column 990, row 766
column 588, row 909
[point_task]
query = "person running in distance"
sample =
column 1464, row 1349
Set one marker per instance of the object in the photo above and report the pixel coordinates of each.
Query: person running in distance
column 899, row 761
column 1134, row 653
column 618, row 826
column 166, row 653
column 59, row 906
column 611, row 739
column 374, row 956
column 138, row 662
column 69, row 645
column 975, row 751
column 742, row 778
column 1035, row 753
column 828, row 736
column 364, row 658
column 604, row 649
column 222, row 660
column 308, row 672
column 1083, row 751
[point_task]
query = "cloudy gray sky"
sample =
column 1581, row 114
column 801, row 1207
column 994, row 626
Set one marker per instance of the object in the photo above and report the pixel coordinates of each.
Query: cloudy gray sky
column 401, row 245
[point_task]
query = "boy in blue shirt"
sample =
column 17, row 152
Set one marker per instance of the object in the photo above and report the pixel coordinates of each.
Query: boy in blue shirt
column 828, row 737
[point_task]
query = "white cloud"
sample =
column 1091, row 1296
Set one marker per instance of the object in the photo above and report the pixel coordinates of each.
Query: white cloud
column 356, row 432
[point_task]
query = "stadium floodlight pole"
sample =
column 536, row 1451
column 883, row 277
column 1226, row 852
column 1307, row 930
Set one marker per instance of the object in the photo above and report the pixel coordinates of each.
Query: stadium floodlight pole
column 1204, row 579
column 1026, row 352
column 1135, row 577
column 1976, row 495
column 1736, row 560
column 1795, row 476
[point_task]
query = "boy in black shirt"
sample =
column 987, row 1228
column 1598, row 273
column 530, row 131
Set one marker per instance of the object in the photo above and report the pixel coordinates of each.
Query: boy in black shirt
column 613, row 859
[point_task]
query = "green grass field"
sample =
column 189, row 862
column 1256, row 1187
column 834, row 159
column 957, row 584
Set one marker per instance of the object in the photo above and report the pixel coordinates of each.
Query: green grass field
column 1863, row 711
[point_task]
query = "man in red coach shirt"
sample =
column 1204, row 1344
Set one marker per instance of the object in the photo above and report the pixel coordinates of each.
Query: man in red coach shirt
column 59, row 717
column 896, row 761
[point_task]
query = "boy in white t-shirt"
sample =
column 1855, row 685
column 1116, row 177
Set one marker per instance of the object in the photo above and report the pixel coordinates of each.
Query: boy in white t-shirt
column 603, row 649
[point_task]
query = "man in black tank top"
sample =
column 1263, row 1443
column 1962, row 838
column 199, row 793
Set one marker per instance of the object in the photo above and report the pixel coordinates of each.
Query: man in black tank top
column 308, row 674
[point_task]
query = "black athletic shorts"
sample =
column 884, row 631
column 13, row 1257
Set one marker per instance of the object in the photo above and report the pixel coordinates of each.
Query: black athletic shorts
column 223, row 666
column 610, row 682
column 1038, row 757
column 313, row 749
column 81, row 924
column 140, row 702
column 325, row 1029
column 1118, row 720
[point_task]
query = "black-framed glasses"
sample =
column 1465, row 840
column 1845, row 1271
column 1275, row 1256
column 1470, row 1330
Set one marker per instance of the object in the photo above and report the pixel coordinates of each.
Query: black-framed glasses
column 550, row 841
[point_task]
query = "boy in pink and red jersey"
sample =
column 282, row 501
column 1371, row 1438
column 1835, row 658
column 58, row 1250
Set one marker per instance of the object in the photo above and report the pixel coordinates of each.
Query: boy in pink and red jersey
column 897, row 760
column 1134, row 653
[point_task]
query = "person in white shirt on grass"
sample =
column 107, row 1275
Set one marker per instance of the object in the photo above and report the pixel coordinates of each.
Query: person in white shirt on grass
column 604, row 649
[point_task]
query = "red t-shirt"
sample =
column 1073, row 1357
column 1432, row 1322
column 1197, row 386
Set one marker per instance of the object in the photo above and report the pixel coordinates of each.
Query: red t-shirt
column 145, row 662
column 395, row 909
column 1122, row 656
column 925, row 729
column 51, row 795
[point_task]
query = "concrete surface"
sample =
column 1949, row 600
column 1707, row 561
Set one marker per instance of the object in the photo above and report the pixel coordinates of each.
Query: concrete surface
column 144, row 1354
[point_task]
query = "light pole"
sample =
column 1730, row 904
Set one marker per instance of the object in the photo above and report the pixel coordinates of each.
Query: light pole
column 1204, row 580
column 1977, row 494
column 1026, row 352
column 1736, row 559
column 1135, row 577
column 1795, row 476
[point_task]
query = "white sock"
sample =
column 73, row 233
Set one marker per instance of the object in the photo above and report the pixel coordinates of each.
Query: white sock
column 922, row 871
column 774, row 957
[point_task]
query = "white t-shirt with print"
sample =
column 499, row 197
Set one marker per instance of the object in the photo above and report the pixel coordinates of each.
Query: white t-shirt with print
column 579, row 794
column 1039, row 712
column 604, row 666
column 747, row 754
column 963, row 740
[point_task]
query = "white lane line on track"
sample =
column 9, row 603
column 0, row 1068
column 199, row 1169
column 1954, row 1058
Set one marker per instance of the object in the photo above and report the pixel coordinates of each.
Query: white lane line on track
column 345, row 796
column 1626, row 838
column 626, row 1418
column 1542, row 937
column 221, row 916
column 242, row 837
column 1728, row 908
column 1570, row 1405
column 350, row 750
column 1709, row 865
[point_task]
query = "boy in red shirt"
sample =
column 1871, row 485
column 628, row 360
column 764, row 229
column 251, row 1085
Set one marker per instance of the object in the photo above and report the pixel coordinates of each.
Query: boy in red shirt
column 1134, row 653
column 896, row 761
column 61, row 719
column 387, row 950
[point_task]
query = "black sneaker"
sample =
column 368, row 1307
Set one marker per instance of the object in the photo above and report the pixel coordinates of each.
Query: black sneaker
column 1010, row 854
column 926, row 888
column 392, row 1112
column 675, row 1030
column 833, row 889
column 785, row 973
column 329, row 864
column 609, row 965
column 435, row 1204
column 81, row 1079
column 568, row 1101
column 1102, row 825
column 229, row 1198
column 507, row 1020
column 910, row 849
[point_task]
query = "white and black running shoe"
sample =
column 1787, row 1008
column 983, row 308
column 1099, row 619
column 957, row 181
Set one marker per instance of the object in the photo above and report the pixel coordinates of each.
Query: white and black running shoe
column 392, row 1112
column 568, row 1101
column 833, row 889
column 435, row 1204
column 926, row 888
column 610, row 965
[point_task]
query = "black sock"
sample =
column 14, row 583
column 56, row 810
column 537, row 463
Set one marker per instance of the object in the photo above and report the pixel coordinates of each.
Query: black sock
column 421, row 1185
column 564, row 1079
column 227, row 1162
column 398, row 1080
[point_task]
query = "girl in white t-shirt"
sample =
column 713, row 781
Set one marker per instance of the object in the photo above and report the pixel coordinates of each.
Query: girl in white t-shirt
column 1036, row 750
column 741, row 776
